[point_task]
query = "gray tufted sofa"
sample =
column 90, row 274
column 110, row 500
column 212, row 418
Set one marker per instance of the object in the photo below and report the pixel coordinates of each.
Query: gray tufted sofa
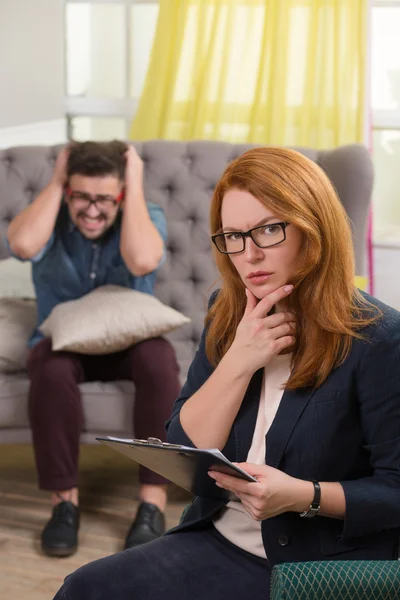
column 180, row 177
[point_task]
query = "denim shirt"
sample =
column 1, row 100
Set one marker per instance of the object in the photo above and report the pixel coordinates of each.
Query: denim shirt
column 70, row 265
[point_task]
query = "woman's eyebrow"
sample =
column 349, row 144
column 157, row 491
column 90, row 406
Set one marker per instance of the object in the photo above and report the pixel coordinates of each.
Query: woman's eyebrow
column 262, row 222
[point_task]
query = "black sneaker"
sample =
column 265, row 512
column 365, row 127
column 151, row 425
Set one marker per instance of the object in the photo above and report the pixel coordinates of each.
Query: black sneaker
column 60, row 535
column 148, row 525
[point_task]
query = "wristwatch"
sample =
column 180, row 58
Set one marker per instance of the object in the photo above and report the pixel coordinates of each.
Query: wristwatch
column 315, row 504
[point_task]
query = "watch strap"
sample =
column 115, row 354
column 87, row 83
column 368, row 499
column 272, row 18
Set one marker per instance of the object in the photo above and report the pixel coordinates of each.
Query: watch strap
column 315, row 504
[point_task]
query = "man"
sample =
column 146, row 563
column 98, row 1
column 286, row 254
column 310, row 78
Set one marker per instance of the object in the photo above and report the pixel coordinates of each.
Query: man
column 90, row 227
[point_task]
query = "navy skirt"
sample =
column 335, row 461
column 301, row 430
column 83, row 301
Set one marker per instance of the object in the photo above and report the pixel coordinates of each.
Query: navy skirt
column 188, row 565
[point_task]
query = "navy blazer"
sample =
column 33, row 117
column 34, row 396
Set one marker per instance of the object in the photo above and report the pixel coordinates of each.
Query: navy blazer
column 348, row 430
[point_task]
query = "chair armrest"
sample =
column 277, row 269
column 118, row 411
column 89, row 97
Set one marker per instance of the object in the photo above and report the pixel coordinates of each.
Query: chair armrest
column 336, row 580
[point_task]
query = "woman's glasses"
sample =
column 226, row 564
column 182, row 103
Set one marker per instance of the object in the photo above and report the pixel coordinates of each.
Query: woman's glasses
column 264, row 236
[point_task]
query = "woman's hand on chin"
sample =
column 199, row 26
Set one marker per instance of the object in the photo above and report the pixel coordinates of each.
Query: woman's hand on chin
column 261, row 336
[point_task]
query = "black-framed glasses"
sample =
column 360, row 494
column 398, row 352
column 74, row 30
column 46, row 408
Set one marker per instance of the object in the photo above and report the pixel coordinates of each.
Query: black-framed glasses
column 83, row 201
column 264, row 236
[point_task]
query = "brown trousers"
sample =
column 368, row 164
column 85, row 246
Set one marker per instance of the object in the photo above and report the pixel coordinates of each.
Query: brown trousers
column 55, row 407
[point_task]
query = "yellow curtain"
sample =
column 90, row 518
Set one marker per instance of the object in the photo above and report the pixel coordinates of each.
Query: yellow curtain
column 286, row 72
column 361, row 282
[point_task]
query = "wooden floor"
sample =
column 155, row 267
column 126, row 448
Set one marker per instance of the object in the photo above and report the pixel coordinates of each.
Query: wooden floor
column 108, row 487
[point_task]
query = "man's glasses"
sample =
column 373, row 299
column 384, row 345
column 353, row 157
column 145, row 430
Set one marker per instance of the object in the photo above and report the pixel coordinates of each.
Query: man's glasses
column 83, row 201
column 264, row 236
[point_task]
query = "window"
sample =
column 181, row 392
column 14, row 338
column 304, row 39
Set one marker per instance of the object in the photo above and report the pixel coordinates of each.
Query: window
column 385, row 99
column 108, row 45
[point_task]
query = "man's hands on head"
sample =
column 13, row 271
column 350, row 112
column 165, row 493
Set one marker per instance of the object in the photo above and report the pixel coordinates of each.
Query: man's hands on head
column 59, row 177
column 141, row 245
column 134, row 171
column 31, row 229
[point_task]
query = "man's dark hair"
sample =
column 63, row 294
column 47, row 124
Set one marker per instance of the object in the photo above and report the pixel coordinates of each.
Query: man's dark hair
column 95, row 159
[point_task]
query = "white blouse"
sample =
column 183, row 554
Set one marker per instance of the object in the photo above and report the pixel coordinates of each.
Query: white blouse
column 234, row 522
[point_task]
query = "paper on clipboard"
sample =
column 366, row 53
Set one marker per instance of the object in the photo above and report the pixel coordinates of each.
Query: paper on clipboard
column 185, row 466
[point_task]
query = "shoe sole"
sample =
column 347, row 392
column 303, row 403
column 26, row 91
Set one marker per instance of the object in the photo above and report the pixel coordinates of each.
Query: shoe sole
column 59, row 552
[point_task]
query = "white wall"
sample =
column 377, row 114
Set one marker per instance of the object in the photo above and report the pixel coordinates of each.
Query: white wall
column 386, row 281
column 31, row 64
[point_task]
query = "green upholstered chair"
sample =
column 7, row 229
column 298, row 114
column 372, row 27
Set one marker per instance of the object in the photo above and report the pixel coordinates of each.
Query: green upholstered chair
column 337, row 580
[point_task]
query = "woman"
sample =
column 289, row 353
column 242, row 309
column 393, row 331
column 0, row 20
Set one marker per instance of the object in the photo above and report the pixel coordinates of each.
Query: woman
column 297, row 379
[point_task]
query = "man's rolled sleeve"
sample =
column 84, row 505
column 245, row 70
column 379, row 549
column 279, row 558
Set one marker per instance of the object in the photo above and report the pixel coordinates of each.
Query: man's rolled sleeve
column 38, row 257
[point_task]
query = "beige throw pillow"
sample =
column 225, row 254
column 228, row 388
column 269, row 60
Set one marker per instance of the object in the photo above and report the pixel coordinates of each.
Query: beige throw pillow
column 109, row 319
column 17, row 322
column 16, row 279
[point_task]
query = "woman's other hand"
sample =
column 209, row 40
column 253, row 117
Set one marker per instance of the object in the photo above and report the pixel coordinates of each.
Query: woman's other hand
column 274, row 493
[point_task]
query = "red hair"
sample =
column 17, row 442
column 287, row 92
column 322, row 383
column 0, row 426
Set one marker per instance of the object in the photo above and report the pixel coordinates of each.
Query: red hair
column 330, row 310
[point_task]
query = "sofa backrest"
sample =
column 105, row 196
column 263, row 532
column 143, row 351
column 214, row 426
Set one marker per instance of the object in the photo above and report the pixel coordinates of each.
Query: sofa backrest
column 181, row 177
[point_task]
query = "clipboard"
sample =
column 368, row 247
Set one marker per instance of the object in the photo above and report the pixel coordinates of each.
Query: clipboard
column 185, row 466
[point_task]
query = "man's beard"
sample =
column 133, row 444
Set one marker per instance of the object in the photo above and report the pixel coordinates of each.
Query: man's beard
column 101, row 218
column 82, row 213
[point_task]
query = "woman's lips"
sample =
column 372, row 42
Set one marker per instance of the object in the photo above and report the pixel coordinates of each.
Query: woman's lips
column 259, row 277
